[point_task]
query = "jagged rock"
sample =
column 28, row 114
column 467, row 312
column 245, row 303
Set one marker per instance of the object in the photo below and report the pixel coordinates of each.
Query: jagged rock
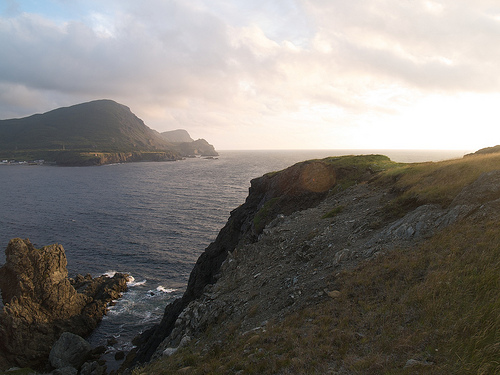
column 38, row 277
column 92, row 368
column 169, row 351
column 69, row 351
column 65, row 371
column 41, row 303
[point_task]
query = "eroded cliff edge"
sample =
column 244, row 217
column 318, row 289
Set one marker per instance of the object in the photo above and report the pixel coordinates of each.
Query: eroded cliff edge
column 285, row 249
column 301, row 186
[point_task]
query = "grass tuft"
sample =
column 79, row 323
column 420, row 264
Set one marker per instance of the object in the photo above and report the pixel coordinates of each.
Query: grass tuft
column 334, row 212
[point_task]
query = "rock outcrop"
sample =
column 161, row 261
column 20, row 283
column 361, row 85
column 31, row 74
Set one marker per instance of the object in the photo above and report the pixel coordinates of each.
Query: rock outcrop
column 301, row 186
column 297, row 257
column 41, row 302
column 69, row 351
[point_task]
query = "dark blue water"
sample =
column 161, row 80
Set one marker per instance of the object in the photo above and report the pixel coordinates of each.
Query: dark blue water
column 151, row 220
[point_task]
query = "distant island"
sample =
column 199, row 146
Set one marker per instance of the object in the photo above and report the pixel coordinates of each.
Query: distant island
column 181, row 141
column 93, row 133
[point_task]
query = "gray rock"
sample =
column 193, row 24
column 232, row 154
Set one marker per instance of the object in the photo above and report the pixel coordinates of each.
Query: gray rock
column 92, row 368
column 169, row 351
column 41, row 302
column 65, row 371
column 69, row 351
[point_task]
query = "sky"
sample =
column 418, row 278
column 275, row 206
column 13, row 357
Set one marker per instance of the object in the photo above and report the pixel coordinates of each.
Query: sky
column 281, row 74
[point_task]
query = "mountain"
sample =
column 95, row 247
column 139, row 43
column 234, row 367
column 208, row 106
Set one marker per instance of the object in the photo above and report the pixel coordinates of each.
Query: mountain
column 93, row 133
column 183, row 143
column 177, row 136
column 102, row 125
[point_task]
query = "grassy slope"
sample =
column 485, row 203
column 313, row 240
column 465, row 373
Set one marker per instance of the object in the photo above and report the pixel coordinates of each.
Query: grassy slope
column 438, row 302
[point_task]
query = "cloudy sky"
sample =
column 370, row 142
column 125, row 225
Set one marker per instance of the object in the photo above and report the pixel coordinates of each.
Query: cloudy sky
column 260, row 74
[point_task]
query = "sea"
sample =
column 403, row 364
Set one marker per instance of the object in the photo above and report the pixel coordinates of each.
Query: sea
column 151, row 220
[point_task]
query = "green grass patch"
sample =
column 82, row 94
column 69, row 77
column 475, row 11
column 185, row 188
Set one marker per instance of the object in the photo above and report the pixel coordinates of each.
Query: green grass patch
column 334, row 212
column 264, row 215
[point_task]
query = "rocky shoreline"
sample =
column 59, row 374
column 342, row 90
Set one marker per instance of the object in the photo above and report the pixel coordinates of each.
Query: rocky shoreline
column 41, row 303
column 279, row 253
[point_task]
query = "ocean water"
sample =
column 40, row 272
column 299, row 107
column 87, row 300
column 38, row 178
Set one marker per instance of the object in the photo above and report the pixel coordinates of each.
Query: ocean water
column 150, row 220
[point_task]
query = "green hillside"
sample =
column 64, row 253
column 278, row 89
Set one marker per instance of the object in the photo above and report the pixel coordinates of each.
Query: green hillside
column 101, row 125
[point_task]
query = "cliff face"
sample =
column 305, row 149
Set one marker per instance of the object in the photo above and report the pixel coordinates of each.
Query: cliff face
column 69, row 158
column 199, row 147
column 299, row 187
column 40, row 302
column 177, row 136
column 283, row 251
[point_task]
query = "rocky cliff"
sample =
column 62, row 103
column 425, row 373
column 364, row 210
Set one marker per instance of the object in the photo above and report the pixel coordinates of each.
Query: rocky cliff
column 297, row 188
column 70, row 158
column 182, row 142
column 41, row 302
column 284, row 252
column 177, row 136
column 200, row 147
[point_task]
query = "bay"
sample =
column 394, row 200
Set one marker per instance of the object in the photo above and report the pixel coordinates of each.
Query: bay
column 150, row 220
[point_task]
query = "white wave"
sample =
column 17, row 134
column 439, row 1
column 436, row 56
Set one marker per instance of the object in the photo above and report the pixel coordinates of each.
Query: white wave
column 165, row 290
column 130, row 279
column 109, row 273
column 131, row 282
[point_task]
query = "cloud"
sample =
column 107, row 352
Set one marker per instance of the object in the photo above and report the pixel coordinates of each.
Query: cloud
column 221, row 66
column 432, row 45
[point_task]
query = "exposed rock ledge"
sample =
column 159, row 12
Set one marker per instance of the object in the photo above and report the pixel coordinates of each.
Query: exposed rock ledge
column 279, row 249
column 41, row 302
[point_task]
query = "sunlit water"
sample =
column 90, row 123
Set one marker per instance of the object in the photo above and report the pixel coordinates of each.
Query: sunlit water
column 150, row 220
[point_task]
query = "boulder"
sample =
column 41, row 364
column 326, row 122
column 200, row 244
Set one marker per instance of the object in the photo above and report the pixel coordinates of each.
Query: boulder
column 93, row 368
column 69, row 351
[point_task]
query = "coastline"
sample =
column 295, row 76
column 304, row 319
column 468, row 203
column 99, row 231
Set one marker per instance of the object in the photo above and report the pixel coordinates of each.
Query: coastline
column 264, row 225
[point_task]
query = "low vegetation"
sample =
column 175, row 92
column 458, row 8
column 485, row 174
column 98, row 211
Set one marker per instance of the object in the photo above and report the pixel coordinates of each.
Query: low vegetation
column 437, row 183
column 434, row 309
column 262, row 216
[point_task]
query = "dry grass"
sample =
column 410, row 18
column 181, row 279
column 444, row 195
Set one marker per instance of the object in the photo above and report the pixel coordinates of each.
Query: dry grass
column 437, row 303
column 438, row 182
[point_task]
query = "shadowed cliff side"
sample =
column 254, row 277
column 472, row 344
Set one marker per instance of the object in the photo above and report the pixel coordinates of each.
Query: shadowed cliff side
column 296, row 188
